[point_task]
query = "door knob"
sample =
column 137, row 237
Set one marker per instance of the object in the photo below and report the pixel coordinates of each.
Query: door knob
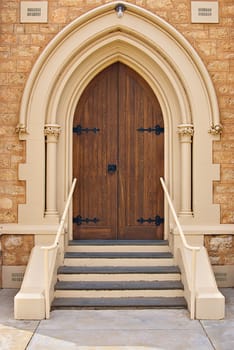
column 111, row 168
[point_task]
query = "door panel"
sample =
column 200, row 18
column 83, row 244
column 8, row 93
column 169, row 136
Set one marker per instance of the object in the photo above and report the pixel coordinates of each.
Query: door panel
column 118, row 102
column 141, row 163
column 96, row 191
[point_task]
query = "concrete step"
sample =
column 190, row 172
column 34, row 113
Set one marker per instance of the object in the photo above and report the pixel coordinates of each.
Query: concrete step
column 118, row 273
column 117, row 246
column 118, row 289
column 118, row 303
column 118, row 259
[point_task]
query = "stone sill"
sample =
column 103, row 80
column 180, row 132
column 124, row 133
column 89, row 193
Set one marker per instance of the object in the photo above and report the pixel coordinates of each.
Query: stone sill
column 222, row 229
column 28, row 229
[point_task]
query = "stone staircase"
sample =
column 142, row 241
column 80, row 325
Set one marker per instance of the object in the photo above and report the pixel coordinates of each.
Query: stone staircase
column 118, row 274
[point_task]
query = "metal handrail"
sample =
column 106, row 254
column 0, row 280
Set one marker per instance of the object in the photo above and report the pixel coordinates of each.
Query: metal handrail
column 194, row 249
column 54, row 246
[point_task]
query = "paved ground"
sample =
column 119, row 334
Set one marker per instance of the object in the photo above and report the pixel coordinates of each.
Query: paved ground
column 116, row 329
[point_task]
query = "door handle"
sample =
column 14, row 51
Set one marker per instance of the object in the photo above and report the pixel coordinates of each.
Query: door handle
column 111, row 168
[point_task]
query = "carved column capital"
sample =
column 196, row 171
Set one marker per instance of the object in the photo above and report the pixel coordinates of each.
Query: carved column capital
column 185, row 130
column 52, row 132
column 216, row 129
column 21, row 129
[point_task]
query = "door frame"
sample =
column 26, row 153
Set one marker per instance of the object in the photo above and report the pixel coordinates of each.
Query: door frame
column 174, row 71
column 124, row 199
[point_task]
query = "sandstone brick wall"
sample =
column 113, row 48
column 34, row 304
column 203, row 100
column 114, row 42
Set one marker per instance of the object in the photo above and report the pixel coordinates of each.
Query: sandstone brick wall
column 220, row 249
column 21, row 44
column 16, row 249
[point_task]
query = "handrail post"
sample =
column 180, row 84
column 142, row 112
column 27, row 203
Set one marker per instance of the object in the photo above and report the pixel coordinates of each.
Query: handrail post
column 52, row 247
column 186, row 246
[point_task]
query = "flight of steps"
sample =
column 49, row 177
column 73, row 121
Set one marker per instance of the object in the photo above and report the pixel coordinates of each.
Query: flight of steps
column 118, row 274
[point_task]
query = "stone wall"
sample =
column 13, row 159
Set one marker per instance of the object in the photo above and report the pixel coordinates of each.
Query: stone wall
column 16, row 249
column 220, row 249
column 221, row 252
column 21, row 44
column 15, row 252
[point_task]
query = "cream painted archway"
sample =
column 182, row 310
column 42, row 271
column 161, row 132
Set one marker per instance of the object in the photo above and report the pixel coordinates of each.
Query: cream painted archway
column 171, row 67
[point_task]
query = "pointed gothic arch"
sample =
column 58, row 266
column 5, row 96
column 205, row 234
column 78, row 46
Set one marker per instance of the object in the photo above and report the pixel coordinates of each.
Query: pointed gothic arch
column 176, row 74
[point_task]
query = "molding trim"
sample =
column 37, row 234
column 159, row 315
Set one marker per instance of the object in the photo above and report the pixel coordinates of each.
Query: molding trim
column 52, row 132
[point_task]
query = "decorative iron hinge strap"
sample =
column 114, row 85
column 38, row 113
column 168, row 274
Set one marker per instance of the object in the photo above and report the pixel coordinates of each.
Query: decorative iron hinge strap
column 79, row 220
column 78, row 130
column 157, row 220
column 157, row 129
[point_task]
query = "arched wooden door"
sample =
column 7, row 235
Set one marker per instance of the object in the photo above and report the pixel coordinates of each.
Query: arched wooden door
column 118, row 157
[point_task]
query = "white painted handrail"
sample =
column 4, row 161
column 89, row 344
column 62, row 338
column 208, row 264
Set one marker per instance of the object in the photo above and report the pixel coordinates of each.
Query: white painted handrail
column 54, row 246
column 187, row 246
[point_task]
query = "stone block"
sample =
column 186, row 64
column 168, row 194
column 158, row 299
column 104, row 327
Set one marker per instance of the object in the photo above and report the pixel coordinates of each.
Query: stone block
column 16, row 249
column 218, row 32
column 8, row 66
column 224, row 188
column 8, row 119
column 160, row 4
column 8, row 175
column 25, row 51
column 17, row 78
column 215, row 65
column 222, row 198
column 32, row 28
column 19, row 28
column 59, row 15
column 5, row 203
column 11, row 94
column 227, row 10
column 224, row 157
column 7, row 39
column 3, row 78
column 227, row 213
column 224, row 88
column 24, row 65
column 6, row 130
column 8, row 216
column 24, row 39
column 7, row 28
column 227, row 114
column 65, row 3
column 227, row 173
column 226, row 102
column 220, row 249
column 4, row 162
column 49, row 28
column 208, row 48
column 8, row 16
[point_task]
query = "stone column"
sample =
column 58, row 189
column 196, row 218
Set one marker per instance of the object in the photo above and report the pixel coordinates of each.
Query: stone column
column 52, row 132
column 186, row 134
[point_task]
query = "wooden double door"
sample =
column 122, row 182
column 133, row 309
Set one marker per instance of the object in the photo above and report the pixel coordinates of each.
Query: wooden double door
column 118, row 158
